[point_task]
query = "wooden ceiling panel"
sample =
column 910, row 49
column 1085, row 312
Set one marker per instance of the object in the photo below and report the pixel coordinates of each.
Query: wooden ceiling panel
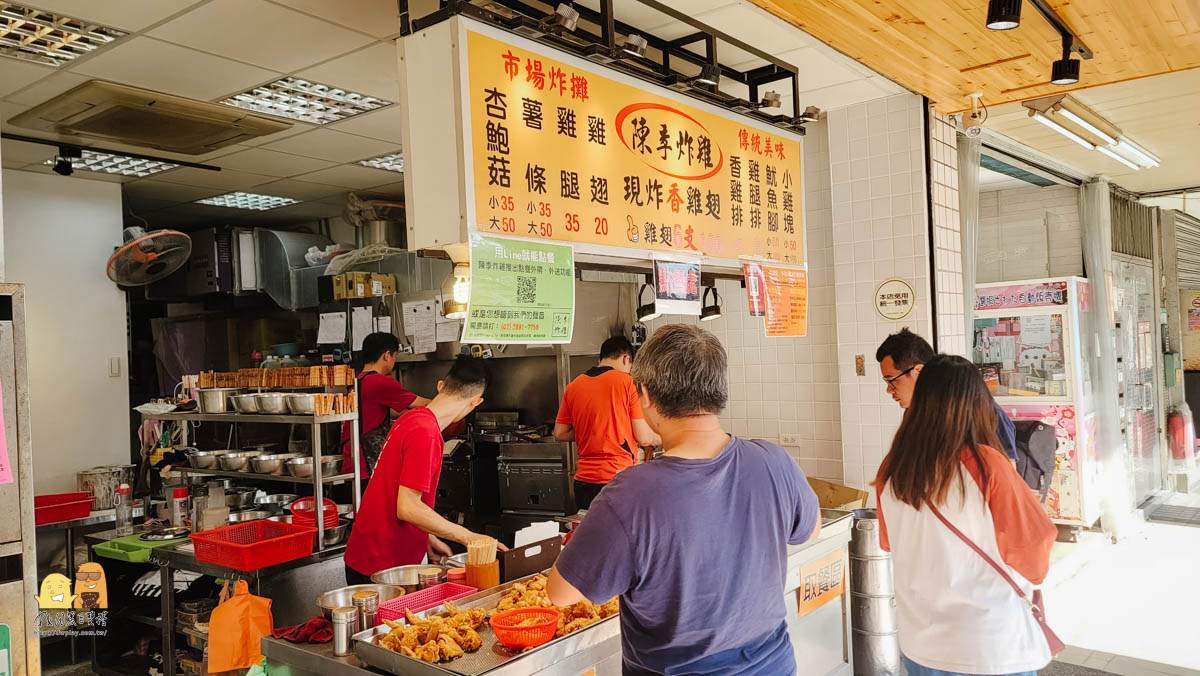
column 942, row 49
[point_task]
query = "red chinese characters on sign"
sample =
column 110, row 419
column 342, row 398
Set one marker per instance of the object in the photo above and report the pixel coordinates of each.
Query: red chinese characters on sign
column 565, row 82
column 760, row 145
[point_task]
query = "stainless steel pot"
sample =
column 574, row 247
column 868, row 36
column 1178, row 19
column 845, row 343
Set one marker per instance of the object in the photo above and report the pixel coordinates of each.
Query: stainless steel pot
column 248, row 515
column 271, row 463
column 303, row 467
column 302, row 404
column 872, row 576
column 205, row 459
column 335, row 534
column 216, row 399
column 237, row 462
column 404, row 576
column 342, row 597
column 272, row 403
column 240, row 497
column 275, row 503
column 245, row 403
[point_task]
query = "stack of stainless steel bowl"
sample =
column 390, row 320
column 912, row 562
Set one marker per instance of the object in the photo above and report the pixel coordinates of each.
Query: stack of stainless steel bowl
column 872, row 600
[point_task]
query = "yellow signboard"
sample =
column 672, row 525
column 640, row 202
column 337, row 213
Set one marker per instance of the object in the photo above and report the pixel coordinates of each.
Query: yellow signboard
column 821, row 581
column 560, row 152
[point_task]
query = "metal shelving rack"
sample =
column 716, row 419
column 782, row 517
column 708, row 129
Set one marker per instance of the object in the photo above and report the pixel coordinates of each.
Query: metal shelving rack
column 317, row 480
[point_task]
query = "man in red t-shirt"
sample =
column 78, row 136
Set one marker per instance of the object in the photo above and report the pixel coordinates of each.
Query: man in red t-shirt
column 379, row 394
column 601, row 413
column 396, row 524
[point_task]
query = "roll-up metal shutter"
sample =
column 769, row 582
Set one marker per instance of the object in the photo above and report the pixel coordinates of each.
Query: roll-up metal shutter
column 1187, row 243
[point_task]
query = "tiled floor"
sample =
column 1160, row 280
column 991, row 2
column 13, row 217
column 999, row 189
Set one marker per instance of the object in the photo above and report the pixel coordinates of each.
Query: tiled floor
column 1120, row 665
column 1129, row 608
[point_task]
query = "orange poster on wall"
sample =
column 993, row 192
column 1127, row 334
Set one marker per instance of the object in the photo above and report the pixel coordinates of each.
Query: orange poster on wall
column 821, row 581
column 787, row 301
column 567, row 150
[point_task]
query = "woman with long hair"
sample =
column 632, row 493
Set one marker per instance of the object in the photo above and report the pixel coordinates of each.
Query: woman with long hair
column 956, row 613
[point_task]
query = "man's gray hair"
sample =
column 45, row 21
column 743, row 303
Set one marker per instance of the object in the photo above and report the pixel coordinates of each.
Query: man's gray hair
column 684, row 370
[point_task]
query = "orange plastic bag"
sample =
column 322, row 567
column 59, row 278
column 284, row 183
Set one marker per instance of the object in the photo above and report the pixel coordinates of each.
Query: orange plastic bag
column 236, row 629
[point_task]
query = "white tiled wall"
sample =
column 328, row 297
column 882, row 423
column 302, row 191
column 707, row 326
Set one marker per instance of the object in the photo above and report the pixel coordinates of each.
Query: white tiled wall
column 877, row 161
column 1026, row 233
column 947, row 240
column 788, row 385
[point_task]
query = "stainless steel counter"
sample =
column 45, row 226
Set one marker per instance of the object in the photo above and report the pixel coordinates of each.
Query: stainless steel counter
column 821, row 636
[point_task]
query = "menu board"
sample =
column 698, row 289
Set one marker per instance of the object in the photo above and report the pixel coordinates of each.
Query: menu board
column 787, row 301
column 560, row 152
column 521, row 292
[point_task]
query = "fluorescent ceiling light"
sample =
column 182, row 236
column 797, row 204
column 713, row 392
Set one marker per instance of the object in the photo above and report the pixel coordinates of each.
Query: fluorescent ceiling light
column 392, row 162
column 1140, row 155
column 1108, row 140
column 1118, row 158
column 105, row 163
column 44, row 37
column 305, row 101
column 248, row 200
column 1062, row 130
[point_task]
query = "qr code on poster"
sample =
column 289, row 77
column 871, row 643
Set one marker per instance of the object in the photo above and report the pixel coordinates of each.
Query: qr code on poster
column 526, row 289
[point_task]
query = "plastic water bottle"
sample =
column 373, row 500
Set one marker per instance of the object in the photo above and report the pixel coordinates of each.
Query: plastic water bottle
column 124, row 510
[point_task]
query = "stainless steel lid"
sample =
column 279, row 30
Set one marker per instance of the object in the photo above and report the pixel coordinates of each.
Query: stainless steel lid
column 344, row 614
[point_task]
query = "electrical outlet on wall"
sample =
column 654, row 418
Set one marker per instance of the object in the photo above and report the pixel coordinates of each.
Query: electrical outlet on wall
column 860, row 364
column 789, row 440
column 114, row 367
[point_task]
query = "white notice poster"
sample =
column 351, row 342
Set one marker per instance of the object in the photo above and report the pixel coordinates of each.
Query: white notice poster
column 1035, row 331
column 449, row 332
column 332, row 328
column 418, row 323
column 383, row 324
column 361, row 326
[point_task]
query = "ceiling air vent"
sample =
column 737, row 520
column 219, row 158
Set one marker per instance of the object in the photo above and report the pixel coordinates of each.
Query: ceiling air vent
column 115, row 112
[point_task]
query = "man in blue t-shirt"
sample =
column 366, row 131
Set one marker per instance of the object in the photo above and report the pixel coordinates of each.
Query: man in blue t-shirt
column 901, row 357
column 695, row 542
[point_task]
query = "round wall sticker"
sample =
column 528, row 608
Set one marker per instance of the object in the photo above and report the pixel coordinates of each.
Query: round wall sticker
column 894, row 299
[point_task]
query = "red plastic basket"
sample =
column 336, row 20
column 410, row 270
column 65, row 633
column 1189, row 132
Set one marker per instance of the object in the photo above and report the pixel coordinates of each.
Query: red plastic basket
column 429, row 597
column 254, row 544
column 304, row 508
column 61, row 507
column 512, row 636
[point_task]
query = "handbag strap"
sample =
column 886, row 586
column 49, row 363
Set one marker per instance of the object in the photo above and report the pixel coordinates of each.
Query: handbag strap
column 999, row 569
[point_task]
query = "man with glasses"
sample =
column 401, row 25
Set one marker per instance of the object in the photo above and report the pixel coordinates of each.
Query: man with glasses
column 901, row 358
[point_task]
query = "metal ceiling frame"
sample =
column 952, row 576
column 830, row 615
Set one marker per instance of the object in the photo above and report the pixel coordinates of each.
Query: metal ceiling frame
column 522, row 18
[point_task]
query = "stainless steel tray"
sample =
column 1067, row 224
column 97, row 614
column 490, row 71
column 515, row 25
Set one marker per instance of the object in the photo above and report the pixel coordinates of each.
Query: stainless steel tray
column 492, row 658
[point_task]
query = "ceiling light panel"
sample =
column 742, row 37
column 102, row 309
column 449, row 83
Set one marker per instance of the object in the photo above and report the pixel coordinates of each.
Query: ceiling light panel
column 105, row 163
column 1096, row 131
column 1118, row 158
column 248, row 200
column 44, row 37
column 306, row 101
column 392, row 162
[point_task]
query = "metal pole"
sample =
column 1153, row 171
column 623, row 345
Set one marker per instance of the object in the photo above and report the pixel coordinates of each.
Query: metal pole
column 167, row 579
column 318, row 480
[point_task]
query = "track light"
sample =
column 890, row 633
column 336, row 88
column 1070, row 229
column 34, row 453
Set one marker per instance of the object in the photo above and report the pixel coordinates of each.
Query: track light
column 710, row 74
column 650, row 310
column 1108, row 140
column 566, row 16
column 1118, row 158
column 635, row 45
column 1062, row 130
column 1003, row 15
column 772, row 100
column 1065, row 71
column 62, row 161
column 710, row 312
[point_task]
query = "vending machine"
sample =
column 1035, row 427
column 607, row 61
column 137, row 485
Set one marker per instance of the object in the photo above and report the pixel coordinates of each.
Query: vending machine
column 1029, row 345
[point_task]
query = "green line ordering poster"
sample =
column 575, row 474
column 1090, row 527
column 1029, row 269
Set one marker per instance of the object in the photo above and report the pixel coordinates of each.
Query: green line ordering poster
column 522, row 291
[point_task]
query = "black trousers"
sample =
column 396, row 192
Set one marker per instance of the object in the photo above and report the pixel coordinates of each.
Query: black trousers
column 355, row 577
column 586, row 492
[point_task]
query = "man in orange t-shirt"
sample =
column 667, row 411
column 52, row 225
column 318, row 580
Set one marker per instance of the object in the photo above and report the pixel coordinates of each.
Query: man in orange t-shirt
column 601, row 413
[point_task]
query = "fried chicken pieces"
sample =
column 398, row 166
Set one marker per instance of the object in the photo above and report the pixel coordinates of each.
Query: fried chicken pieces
column 437, row 639
column 533, row 594
column 454, row 633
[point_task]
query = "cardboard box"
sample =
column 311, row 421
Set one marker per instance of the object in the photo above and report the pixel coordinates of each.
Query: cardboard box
column 383, row 284
column 837, row 496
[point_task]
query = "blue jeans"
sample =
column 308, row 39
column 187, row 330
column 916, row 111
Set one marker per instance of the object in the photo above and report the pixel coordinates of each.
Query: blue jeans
column 915, row 669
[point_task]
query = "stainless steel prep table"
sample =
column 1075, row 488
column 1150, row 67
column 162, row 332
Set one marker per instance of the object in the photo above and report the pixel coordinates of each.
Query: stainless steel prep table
column 821, row 638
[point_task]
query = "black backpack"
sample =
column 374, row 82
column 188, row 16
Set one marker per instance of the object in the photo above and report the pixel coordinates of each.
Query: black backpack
column 1036, row 444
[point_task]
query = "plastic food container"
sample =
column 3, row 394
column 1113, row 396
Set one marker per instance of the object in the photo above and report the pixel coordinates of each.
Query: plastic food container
column 533, row 635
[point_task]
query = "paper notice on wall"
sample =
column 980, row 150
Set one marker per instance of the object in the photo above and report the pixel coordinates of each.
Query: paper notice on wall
column 332, row 328
column 6, row 469
column 361, row 325
column 383, row 324
column 448, row 332
column 787, row 301
column 677, row 287
column 418, row 323
column 1035, row 331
